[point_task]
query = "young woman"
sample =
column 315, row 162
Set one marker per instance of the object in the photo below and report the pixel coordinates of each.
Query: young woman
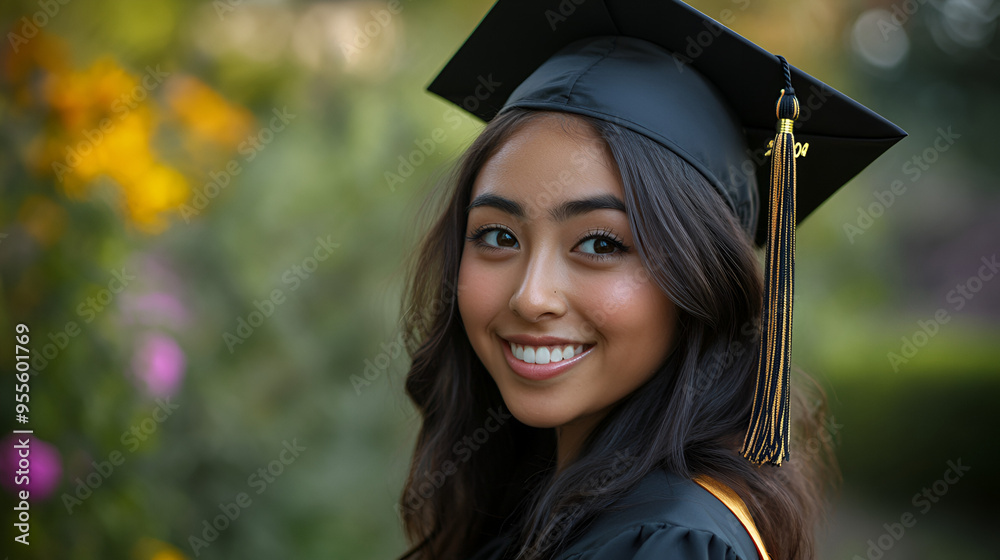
column 587, row 356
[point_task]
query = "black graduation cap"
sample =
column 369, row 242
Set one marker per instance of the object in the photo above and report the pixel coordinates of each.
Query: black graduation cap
column 665, row 70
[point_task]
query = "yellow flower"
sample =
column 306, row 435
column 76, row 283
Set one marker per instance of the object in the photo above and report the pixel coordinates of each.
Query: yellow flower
column 104, row 124
column 158, row 190
column 206, row 115
column 108, row 125
column 83, row 99
column 154, row 549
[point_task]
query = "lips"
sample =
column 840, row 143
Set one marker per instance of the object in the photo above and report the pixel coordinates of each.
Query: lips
column 538, row 358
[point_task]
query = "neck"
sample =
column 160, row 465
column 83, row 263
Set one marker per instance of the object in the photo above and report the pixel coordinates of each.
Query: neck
column 570, row 438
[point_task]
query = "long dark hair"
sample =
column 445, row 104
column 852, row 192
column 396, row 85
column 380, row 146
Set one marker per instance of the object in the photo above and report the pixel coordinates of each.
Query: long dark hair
column 478, row 472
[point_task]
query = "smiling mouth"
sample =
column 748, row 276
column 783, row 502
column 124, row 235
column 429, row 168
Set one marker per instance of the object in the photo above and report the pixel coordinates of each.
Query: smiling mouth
column 542, row 355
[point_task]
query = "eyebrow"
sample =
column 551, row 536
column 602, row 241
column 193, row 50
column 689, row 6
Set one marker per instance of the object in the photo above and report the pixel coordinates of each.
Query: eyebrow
column 561, row 213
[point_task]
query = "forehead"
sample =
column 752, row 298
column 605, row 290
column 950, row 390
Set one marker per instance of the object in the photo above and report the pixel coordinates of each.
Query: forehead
column 552, row 158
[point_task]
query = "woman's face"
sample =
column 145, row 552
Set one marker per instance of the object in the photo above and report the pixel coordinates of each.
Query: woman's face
column 554, row 298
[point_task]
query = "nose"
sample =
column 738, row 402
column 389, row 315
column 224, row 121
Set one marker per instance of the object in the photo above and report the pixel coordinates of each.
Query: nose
column 539, row 294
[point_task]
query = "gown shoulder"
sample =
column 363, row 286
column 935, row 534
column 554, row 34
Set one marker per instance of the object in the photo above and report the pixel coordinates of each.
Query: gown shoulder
column 664, row 516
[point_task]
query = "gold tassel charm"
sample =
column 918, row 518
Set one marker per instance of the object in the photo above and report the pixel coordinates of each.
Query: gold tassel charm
column 767, row 437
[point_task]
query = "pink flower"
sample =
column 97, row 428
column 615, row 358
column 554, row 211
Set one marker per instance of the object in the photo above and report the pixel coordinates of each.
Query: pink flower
column 40, row 469
column 159, row 364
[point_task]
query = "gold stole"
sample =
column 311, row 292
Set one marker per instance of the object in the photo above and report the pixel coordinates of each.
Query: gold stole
column 732, row 501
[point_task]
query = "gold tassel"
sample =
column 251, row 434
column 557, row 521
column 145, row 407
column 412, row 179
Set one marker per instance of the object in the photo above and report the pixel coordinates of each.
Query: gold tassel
column 767, row 437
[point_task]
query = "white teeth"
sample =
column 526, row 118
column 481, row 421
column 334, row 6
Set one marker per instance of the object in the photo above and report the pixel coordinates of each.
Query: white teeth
column 544, row 354
column 529, row 354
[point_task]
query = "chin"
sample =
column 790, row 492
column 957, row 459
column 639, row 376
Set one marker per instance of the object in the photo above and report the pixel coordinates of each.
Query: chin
column 535, row 411
column 538, row 420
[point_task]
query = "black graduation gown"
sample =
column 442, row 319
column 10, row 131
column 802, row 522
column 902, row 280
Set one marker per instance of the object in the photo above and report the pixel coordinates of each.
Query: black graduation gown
column 665, row 517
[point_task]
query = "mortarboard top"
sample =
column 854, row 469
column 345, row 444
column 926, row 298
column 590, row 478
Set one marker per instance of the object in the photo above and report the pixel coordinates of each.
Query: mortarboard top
column 663, row 96
column 665, row 70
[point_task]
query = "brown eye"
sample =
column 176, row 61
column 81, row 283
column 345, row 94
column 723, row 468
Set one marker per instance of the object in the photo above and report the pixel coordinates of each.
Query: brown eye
column 505, row 239
column 497, row 237
column 598, row 245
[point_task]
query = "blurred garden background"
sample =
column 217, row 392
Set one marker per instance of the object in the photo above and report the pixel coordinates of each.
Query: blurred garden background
column 203, row 211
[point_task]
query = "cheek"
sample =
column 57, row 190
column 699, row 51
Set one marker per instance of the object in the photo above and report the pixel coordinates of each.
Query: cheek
column 636, row 318
column 479, row 296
